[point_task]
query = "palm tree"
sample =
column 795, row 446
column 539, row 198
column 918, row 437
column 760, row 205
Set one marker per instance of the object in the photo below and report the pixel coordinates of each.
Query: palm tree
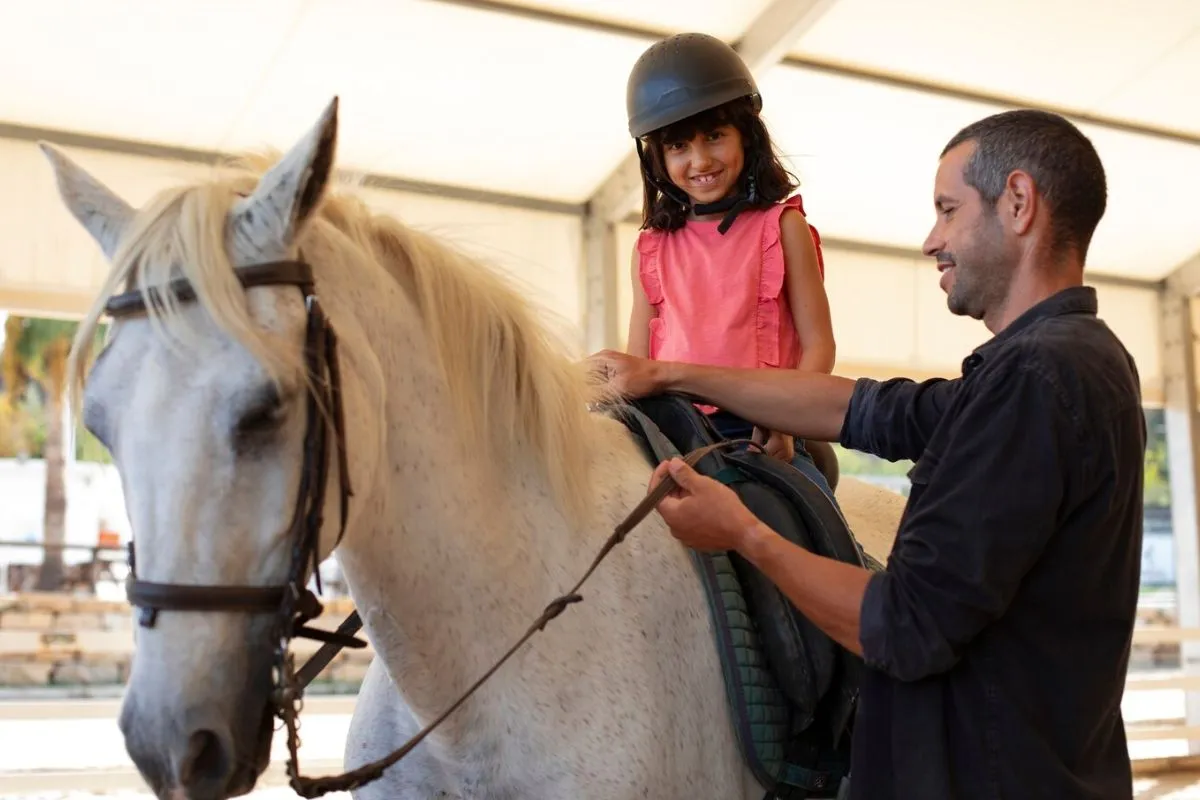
column 35, row 354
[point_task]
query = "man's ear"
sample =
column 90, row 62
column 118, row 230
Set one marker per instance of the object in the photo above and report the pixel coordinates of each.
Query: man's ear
column 1021, row 201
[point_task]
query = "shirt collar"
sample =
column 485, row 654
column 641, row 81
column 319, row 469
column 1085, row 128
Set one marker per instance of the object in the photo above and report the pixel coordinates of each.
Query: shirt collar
column 1072, row 300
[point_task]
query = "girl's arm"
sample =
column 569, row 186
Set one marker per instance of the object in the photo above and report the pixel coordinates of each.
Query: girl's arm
column 806, row 294
column 638, row 342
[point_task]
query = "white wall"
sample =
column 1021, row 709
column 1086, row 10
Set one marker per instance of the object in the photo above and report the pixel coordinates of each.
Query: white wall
column 93, row 496
column 49, row 265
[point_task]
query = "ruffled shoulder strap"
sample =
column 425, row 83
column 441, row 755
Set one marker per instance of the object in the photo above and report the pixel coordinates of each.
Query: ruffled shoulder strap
column 774, row 264
column 771, row 278
column 649, row 243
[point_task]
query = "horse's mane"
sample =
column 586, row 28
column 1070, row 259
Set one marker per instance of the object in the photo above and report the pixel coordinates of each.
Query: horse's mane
column 515, row 386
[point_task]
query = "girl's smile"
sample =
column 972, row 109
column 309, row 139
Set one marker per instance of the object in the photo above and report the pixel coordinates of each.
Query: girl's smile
column 706, row 166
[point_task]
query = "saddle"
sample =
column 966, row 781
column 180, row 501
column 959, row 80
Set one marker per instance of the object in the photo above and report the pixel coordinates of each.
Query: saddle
column 793, row 691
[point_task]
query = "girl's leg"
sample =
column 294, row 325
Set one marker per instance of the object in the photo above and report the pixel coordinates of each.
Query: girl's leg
column 734, row 427
column 803, row 461
column 825, row 458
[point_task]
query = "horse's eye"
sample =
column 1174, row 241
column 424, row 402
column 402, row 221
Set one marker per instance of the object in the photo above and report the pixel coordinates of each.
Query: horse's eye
column 263, row 415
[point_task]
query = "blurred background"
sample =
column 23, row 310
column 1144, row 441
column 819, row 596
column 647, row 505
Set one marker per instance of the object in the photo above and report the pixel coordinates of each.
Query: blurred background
column 500, row 125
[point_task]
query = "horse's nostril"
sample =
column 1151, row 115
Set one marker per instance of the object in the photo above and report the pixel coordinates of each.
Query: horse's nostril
column 206, row 760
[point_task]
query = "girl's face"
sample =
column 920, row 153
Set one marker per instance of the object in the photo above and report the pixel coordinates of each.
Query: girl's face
column 707, row 166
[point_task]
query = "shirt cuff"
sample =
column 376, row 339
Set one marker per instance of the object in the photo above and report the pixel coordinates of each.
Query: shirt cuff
column 861, row 407
column 872, row 622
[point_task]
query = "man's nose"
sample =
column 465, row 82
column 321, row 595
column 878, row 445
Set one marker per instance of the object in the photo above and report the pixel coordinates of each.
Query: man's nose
column 934, row 243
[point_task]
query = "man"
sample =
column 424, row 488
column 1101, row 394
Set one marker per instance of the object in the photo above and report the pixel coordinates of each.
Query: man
column 997, row 639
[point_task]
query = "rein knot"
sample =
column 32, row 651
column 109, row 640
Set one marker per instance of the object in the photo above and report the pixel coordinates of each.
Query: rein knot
column 557, row 607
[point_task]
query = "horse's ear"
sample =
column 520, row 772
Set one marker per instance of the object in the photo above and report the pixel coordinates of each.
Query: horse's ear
column 101, row 212
column 270, row 219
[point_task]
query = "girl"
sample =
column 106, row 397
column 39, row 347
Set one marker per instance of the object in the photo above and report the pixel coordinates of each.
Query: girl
column 726, row 271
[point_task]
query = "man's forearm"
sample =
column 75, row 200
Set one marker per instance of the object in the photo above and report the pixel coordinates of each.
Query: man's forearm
column 828, row 592
column 810, row 405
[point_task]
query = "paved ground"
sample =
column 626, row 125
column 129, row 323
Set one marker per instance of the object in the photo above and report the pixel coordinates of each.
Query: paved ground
column 1171, row 788
column 72, row 750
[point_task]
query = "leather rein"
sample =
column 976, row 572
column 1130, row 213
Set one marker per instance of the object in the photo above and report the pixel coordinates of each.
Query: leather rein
column 292, row 602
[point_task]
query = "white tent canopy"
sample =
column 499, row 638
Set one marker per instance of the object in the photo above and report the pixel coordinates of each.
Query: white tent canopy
column 502, row 124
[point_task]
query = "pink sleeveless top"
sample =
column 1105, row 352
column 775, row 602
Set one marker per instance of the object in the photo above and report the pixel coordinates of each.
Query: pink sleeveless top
column 719, row 298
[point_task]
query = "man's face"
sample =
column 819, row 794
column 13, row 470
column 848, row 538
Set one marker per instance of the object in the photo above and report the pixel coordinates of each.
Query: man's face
column 975, row 256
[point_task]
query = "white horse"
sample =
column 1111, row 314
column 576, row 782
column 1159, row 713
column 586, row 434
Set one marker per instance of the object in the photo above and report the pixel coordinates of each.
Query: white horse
column 483, row 486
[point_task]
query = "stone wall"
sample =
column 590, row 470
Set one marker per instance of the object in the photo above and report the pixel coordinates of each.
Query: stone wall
column 59, row 640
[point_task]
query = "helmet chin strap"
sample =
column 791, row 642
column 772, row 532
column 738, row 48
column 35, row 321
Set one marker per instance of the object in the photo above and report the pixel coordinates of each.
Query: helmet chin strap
column 733, row 204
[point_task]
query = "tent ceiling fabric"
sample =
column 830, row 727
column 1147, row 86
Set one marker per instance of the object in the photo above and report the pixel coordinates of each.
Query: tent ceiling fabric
column 1115, row 58
column 525, row 102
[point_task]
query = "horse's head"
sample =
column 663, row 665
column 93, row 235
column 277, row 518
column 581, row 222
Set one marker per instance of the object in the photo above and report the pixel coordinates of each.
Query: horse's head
column 204, row 402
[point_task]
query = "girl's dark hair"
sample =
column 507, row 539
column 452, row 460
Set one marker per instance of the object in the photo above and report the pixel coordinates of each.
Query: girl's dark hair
column 773, row 183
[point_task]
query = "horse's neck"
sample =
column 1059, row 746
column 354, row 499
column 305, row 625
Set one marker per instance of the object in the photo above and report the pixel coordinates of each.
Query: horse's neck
column 446, row 572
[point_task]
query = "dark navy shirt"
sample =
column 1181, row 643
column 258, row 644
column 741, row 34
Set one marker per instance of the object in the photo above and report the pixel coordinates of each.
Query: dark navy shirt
column 997, row 639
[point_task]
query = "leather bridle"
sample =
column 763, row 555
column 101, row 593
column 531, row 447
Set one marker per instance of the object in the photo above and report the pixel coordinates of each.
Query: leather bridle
column 292, row 602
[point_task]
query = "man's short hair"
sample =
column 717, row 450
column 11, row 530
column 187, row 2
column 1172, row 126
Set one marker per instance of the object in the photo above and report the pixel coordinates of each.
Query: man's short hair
column 1064, row 166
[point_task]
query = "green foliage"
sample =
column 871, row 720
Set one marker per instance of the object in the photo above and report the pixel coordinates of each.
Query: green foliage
column 89, row 448
column 852, row 462
column 34, row 367
column 22, row 428
column 37, row 334
column 1157, row 481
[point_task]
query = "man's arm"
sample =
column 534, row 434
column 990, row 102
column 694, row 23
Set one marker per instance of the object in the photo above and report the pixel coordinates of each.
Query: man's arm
column 892, row 419
column 709, row 516
column 811, row 405
column 986, row 514
column 828, row 592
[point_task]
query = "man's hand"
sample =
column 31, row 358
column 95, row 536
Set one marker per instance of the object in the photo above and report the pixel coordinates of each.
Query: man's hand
column 702, row 513
column 633, row 377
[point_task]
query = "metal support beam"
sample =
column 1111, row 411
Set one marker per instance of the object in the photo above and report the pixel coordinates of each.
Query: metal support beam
column 600, row 275
column 1182, row 414
column 765, row 41
column 372, row 180
column 1185, row 278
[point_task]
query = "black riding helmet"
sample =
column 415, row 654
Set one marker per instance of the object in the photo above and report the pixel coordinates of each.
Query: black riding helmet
column 679, row 77
column 683, row 75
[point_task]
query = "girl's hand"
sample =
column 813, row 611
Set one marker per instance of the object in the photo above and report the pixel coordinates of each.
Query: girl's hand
column 779, row 445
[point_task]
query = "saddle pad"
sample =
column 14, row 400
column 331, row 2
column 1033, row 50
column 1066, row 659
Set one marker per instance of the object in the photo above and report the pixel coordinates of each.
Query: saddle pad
column 764, row 719
column 819, row 678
